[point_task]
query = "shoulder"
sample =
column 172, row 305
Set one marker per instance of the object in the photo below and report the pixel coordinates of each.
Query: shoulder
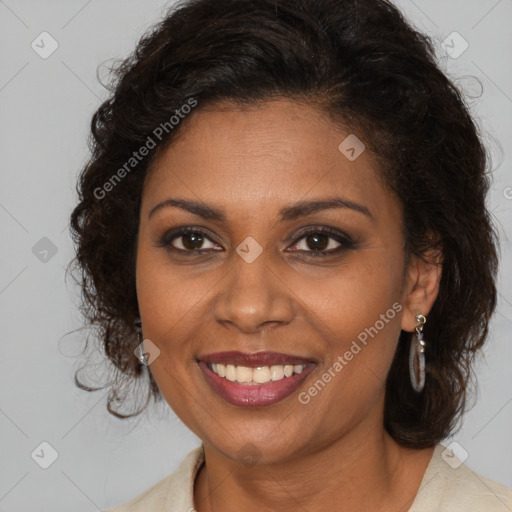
column 450, row 485
column 174, row 492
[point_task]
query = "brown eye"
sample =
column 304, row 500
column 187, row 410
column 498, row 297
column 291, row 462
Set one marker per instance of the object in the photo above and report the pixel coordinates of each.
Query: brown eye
column 317, row 241
column 188, row 240
column 322, row 241
column 192, row 241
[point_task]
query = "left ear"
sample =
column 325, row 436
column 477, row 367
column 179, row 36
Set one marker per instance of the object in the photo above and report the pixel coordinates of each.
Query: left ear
column 421, row 287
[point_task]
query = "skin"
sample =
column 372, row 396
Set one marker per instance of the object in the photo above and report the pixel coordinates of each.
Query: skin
column 332, row 453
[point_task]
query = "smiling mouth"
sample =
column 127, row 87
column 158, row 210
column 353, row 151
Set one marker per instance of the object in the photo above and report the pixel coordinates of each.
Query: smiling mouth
column 255, row 368
column 256, row 379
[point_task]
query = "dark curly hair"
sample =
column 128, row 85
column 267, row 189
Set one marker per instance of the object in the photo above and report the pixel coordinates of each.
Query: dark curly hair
column 364, row 66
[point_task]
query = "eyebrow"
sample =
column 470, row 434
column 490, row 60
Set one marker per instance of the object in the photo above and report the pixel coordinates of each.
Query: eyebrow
column 300, row 209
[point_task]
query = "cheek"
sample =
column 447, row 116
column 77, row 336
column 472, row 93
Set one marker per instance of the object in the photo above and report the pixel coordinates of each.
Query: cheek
column 353, row 295
column 169, row 305
column 170, row 297
column 357, row 310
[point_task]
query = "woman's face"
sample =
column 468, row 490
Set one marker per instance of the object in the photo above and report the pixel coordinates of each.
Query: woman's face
column 262, row 284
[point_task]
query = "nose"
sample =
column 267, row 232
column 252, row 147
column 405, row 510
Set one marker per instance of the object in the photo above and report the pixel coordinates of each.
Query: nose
column 253, row 296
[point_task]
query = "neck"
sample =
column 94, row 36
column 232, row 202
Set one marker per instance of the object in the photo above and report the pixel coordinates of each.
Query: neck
column 365, row 469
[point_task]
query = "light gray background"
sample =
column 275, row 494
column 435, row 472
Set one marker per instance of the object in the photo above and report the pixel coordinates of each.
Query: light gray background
column 46, row 105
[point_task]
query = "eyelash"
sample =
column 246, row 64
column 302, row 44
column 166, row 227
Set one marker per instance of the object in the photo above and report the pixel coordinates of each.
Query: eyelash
column 340, row 237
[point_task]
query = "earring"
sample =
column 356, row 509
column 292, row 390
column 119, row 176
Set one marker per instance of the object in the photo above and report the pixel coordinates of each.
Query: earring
column 139, row 351
column 417, row 356
column 138, row 326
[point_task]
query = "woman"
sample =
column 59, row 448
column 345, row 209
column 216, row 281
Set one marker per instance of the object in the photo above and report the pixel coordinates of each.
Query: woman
column 279, row 220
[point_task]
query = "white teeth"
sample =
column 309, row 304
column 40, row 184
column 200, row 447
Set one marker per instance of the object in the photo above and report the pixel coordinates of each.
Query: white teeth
column 259, row 375
column 230, row 372
column 243, row 374
column 276, row 372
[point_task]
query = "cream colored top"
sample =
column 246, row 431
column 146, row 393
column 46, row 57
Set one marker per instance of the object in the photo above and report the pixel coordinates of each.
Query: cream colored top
column 445, row 488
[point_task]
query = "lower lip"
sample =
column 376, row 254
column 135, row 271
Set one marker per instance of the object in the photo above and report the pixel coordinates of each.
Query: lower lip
column 254, row 395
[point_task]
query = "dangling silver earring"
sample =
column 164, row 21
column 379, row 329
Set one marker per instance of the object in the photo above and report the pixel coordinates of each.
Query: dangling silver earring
column 139, row 351
column 417, row 356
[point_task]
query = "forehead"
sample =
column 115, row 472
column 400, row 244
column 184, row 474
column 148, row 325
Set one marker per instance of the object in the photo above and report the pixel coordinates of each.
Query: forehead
column 262, row 157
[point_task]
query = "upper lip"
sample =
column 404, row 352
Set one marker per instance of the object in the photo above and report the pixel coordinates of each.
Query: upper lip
column 254, row 359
